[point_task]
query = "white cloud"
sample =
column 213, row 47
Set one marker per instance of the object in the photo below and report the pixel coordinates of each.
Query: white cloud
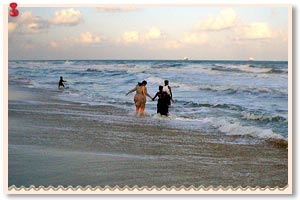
column 34, row 27
column 142, row 37
column 226, row 19
column 187, row 40
column 70, row 17
column 153, row 38
column 153, row 33
column 88, row 37
column 253, row 31
column 27, row 23
column 131, row 37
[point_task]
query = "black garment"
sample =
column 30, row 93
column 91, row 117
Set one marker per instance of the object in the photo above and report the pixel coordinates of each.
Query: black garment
column 61, row 83
column 163, row 103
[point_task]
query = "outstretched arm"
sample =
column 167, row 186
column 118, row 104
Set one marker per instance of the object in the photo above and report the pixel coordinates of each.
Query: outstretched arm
column 146, row 93
column 134, row 89
column 154, row 97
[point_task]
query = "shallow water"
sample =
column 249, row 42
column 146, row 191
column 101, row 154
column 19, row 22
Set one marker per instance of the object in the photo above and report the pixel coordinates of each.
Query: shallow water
column 55, row 142
column 229, row 97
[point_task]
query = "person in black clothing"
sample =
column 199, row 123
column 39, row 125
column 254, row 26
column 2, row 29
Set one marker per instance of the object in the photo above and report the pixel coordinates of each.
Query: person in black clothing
column 163, row 101
column 60, row 83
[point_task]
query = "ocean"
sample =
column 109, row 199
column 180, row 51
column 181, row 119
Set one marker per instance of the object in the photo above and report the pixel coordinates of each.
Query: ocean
column 228, row 125
column 248, row 99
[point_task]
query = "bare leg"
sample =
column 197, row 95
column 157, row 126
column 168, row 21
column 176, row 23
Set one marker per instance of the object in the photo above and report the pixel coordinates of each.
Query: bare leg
column 137, row 109
column 142, row 109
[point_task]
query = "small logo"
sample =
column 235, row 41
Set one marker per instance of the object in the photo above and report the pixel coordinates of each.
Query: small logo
column 13, row 11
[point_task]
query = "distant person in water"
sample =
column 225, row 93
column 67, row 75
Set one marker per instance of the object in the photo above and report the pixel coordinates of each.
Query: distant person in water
column 61, row 82
column 168, row 90
column 140, row 97
column 163, row 101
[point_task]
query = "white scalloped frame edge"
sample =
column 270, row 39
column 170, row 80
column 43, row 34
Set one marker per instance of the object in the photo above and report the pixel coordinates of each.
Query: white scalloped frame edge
column 147, row 190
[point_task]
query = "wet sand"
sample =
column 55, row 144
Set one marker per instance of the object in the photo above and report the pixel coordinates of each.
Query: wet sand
column 55, row 142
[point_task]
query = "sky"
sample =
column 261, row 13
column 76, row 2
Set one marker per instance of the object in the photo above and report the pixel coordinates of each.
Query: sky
column 149, row 32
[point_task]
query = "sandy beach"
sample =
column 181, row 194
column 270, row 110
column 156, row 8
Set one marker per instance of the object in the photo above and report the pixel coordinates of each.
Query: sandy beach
column 55, row 142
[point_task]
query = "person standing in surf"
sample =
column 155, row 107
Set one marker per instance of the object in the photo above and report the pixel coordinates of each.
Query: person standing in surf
column 61, row 82
column 163, row 101
column 168, row 90
column 140, row 97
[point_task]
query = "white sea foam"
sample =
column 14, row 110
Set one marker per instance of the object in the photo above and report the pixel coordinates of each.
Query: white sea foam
column 248, row 68
column 174, row 84
column 233, row 127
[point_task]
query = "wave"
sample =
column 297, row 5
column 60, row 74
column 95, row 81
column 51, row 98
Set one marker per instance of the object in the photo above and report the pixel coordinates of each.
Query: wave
column 20, row 80
column 229, row 89
column 107, row 72
column 278, row 71
column 157, row 80
column 263, row 117
column 245, row 68
column 233, row 127
column 223, row 69
column 167, row 65
column 93, row 70
column 243, row 89
column 208, row 105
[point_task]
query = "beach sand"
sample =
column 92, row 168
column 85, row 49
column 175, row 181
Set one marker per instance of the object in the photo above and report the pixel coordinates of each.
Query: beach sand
column 55, row 142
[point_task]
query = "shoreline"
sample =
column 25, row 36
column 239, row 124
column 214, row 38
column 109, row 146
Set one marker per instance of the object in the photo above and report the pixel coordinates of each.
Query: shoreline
column 102, row 145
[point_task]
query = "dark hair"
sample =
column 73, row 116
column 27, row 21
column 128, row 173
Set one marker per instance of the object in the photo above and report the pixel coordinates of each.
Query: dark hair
column 139, row 84
column 144, row 82
column 61, row 77
column 160, row 87
column 166, row 82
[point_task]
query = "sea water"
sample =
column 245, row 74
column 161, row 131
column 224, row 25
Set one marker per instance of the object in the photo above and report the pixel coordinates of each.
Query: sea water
column 240, row 98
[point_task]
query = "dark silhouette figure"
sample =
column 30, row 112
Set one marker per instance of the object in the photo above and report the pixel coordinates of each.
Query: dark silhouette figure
column 163, row 101
column 61, row 82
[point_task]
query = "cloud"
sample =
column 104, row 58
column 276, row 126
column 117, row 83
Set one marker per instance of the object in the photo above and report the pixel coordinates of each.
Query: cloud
column 37, row 27
column 69, row 17
column 153, row 33
column 254, row 31
column 131, row 37
column 27, row 23
column 142, row 37
column 12, row 27
column 225, row 20
column 88, row 37
column 154, row 38
column 116, row 8
column 187, row 40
